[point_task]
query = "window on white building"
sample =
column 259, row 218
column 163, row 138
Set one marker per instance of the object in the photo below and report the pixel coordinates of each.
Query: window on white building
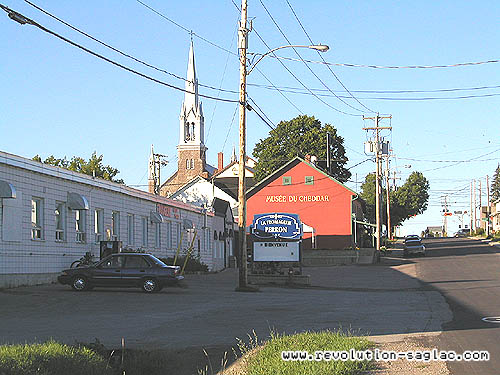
column 80, row 221
column 130, row 229
column 60, row 216
column 37, row 219
column 144, row 223
column 115, row 225
column 98, row 224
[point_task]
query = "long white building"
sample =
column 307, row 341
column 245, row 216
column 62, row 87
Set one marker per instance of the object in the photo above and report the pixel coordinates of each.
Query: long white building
column 50, row 216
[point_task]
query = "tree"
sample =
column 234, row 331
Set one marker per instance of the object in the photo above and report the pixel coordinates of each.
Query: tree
column 92, row 167
column 495, row 185
column 301, row 136
column 406, row 201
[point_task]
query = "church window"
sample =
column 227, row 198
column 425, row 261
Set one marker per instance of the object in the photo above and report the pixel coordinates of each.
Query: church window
column 192, row 131
column 188, row 164
column 192, row 163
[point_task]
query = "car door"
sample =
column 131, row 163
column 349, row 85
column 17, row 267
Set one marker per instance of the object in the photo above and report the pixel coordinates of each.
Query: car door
column 134, row 270
column 108, row 273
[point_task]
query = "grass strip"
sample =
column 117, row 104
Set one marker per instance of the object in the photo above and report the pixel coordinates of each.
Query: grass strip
column 268, row 361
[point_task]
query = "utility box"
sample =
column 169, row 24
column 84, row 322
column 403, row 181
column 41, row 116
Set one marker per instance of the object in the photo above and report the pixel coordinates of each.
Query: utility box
column 109, row 247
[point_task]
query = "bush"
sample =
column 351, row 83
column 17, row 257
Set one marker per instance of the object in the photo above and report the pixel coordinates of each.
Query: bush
column 478, row 232
column 50, row 358
column 194, row 263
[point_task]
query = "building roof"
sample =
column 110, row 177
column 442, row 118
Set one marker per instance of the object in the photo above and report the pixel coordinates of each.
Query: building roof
column 66, row 174
column 285, row 168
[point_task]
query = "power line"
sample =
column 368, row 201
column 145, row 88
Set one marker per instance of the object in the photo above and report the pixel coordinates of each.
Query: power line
column 121, row 52
column 268, row 80
column 307, row 66
column 299, row 81
column 186, row 29
column 323, row 59
column 301, row 92
column 31, row 22
column 393, row 66
column 386, row 91
column 462, row 161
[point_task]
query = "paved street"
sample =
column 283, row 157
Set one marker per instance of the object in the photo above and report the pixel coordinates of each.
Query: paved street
column 377, row 300
column 467, row 273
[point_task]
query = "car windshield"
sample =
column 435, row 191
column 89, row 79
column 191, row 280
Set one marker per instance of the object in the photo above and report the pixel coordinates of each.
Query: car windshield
column 157, row 261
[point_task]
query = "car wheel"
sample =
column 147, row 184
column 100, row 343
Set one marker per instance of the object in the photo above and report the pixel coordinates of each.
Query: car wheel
column 149, row 285
column 79, row 283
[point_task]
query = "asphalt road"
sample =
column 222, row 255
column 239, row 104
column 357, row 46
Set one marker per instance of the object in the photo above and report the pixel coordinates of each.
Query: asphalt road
column 394, row 298
column 467, row 273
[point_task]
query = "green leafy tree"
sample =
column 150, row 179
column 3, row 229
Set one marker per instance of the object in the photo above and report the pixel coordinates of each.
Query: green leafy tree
column 406, row 201
column 92, row 167
column 301, row 136
column 495, row 185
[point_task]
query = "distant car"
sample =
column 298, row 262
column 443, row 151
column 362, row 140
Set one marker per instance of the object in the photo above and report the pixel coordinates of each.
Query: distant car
column 412, row 236
column 464, row 232
column 123, row 270
column 413, row 246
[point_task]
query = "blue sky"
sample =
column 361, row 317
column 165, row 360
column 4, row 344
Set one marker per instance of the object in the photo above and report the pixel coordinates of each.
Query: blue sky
column 56, row 99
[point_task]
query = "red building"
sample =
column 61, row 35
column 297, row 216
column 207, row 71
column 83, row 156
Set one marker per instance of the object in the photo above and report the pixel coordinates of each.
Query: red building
column 325, row 206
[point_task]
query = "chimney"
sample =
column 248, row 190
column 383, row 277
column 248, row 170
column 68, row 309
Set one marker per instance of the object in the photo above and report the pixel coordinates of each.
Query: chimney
column 308, row 158
column 220, row 161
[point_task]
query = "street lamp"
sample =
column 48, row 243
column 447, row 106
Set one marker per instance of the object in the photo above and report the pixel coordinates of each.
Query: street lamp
column 317, row 47
column 242, row 46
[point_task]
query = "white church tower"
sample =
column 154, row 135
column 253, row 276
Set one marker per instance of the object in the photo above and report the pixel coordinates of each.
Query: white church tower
column 191, row 149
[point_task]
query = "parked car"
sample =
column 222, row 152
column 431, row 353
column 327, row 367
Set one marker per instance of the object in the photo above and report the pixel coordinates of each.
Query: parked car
column 413, row 246
column 464, row 232
column 123, row 270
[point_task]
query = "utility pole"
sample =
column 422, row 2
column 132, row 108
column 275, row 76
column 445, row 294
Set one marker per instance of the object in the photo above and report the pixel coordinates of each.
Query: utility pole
column 480, row 204
column 475, row 206
column 445, row 216
column 389, row 231
column 328, row 152
column 471, row 211
column 487, row 206
column 377, row 129
column 242, row 46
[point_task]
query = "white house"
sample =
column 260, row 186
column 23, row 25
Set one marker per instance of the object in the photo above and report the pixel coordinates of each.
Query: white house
column 50, row 216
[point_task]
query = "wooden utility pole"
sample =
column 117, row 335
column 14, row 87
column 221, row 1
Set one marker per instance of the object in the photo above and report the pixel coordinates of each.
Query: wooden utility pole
column 475, row 206
column 487, row 206
column 471, row 209
column 377, row 129
column 445, row 216
column 388, row 188
column 242, row 46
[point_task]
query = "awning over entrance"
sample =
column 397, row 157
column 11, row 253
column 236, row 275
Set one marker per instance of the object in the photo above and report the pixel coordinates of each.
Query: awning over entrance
column 187, row 224
column 77, row 201
column 155, row 217
column 7, row 190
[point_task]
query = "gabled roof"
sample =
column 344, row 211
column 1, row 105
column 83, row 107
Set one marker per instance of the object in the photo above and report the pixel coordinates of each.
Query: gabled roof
column 220, row 207
column 229, row 166
column 288, row 166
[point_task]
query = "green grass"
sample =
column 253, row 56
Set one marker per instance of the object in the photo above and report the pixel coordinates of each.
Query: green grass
column 50, row 358
column 267, row 360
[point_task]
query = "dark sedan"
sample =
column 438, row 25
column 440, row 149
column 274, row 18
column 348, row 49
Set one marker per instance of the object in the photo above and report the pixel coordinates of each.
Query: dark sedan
column 123, row 270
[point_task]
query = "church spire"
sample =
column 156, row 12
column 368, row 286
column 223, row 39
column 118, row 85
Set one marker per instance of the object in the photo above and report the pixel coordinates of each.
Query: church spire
column 191, row 97
column 191, row 117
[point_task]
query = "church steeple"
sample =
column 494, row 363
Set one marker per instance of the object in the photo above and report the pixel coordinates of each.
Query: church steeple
column 191, row 116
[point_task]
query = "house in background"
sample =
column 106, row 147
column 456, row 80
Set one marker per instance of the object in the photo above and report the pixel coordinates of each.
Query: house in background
column 325, row 206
